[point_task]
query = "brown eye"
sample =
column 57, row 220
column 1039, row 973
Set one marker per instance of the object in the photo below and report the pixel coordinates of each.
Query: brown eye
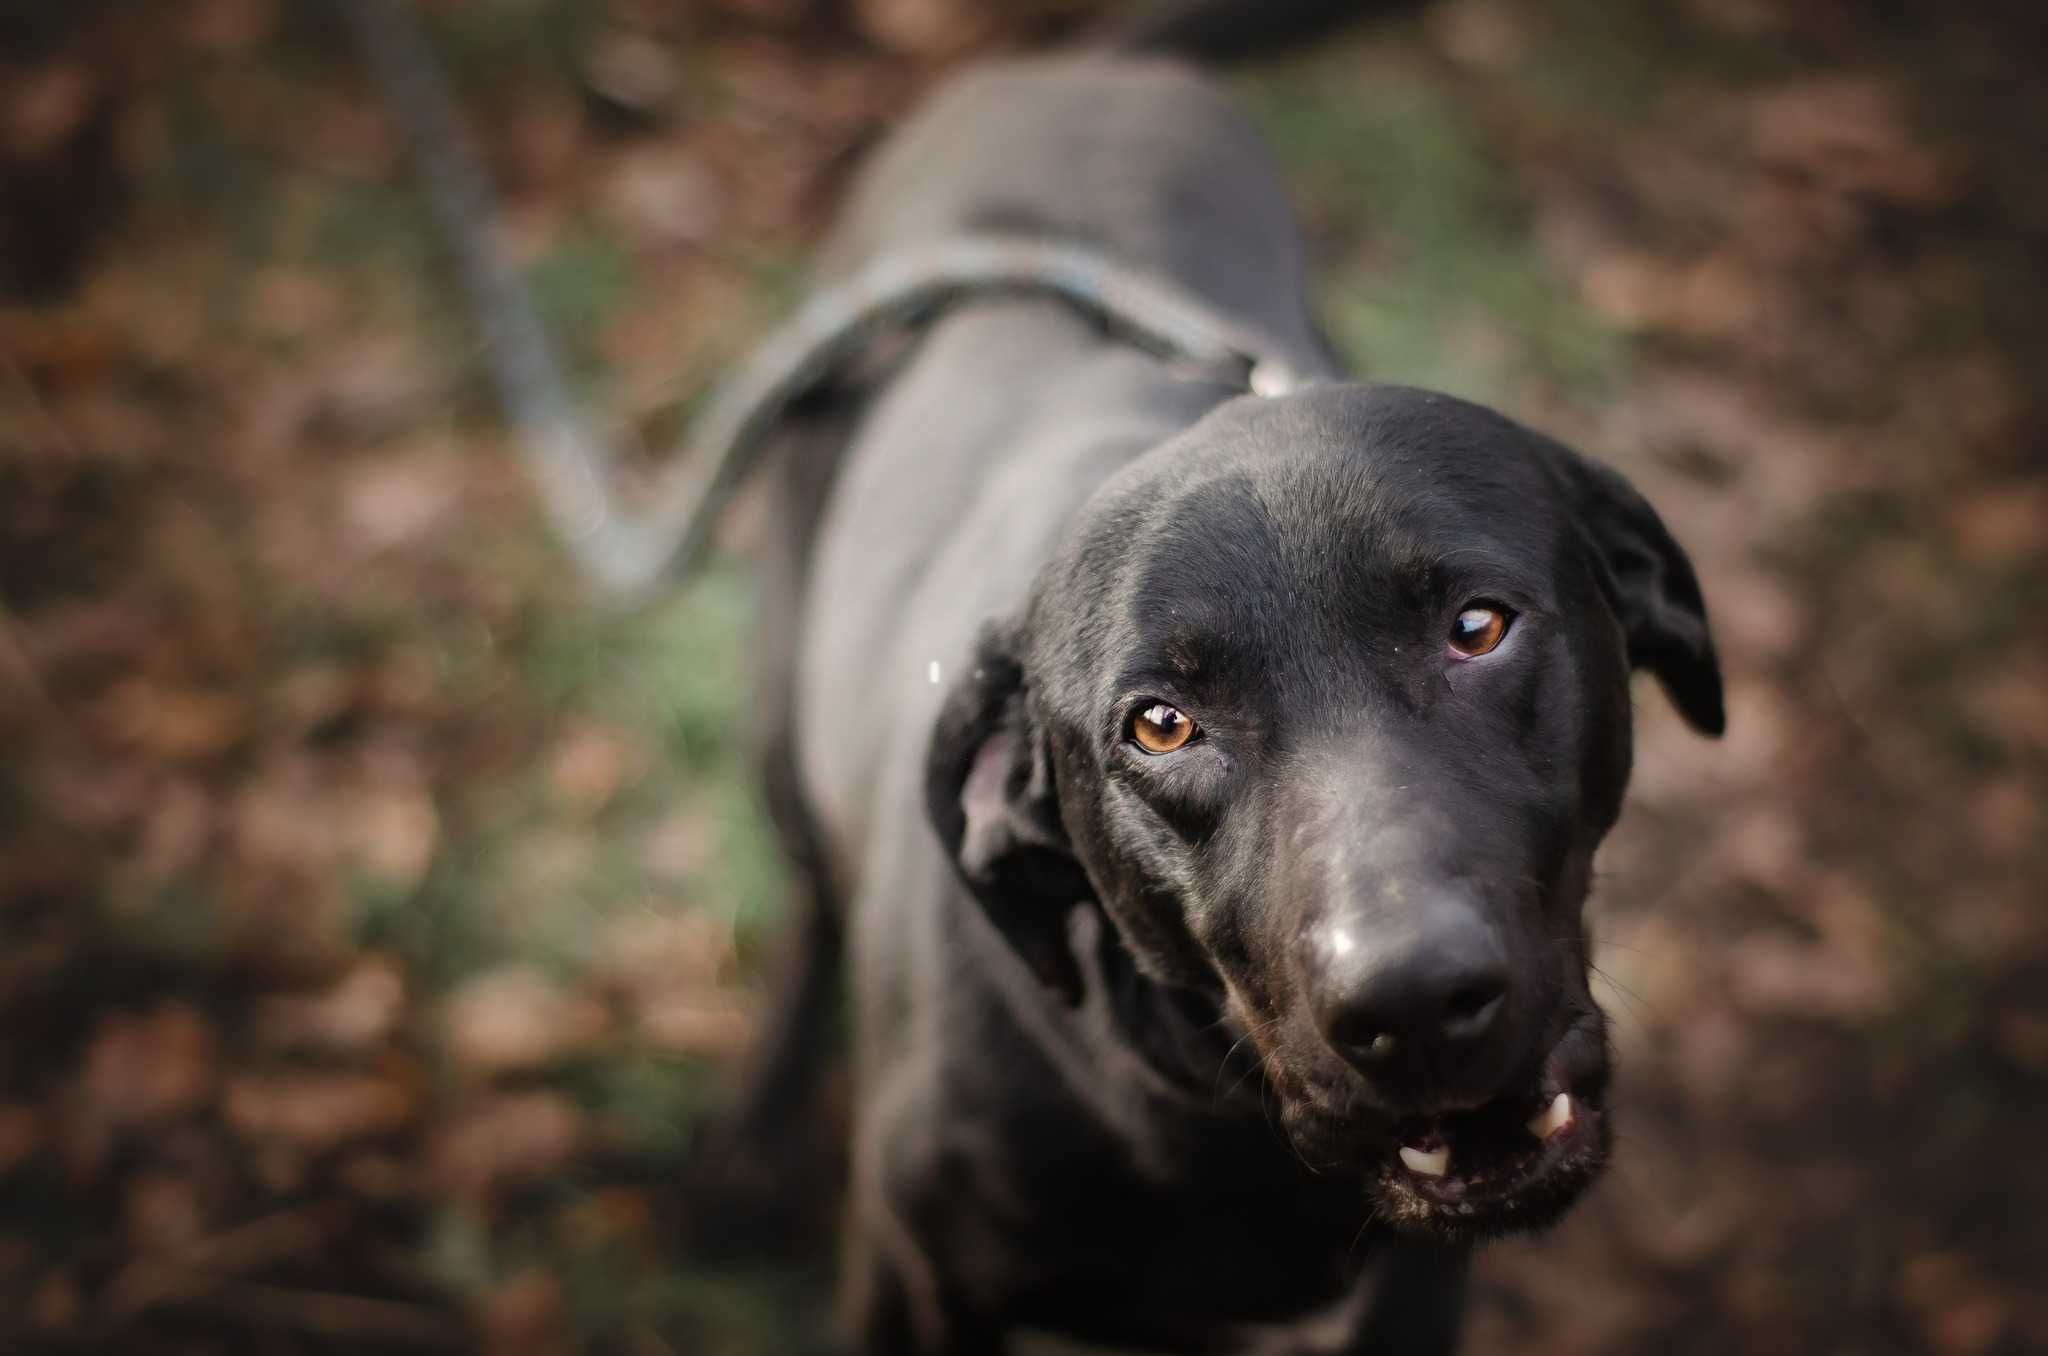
column 1160, row 728
column 1478, row 629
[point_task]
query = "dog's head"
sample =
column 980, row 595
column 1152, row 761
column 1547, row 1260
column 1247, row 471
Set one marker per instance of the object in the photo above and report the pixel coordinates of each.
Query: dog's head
column 1325, row 703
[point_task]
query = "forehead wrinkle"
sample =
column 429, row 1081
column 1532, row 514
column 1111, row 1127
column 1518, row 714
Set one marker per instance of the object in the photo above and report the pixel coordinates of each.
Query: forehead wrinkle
column 1212, row 571
column 1288, row 527
column 1252, row 608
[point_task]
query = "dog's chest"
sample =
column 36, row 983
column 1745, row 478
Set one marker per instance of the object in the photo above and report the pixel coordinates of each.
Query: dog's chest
column 1197, row 1255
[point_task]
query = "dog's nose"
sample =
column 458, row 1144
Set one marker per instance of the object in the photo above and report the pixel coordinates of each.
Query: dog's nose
column 1424, row 1000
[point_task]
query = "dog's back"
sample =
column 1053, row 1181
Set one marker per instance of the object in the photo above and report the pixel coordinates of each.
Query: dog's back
column 1011, row 411
column 1143, row 158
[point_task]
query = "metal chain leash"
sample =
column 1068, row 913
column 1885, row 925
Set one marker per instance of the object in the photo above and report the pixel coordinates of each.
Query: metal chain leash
column 628, row 552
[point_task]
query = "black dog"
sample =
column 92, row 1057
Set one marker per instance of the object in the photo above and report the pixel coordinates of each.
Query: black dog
column 1267, row 742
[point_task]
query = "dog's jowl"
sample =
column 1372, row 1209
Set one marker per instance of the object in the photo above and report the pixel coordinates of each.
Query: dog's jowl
column 1200, row 786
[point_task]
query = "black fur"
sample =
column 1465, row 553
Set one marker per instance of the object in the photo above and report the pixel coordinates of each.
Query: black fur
column 1093, row 1091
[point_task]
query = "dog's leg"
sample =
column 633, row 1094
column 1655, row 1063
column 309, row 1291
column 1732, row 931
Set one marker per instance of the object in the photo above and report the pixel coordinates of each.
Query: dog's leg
column 890, row 1306
column 896, row 1298
column 768, row 1169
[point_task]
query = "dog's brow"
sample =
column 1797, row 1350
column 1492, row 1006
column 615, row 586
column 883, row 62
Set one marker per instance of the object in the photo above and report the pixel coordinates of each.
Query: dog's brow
column 1203, row 647
column 1188, row 651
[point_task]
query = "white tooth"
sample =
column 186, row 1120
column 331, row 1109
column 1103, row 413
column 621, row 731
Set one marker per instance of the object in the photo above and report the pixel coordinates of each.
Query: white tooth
column 1554, row 1118
column 1435, row 1163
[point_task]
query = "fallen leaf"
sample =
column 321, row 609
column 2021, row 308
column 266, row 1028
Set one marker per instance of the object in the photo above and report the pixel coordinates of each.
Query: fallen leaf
column 609, row 1216
column 21, row 1135
column 56, row 1304
column 518, row 1019
column 659, row 953
column 681, row 843
column 145, row 1069
column 663, row 196
column 591, row 764
column 514, row 1137
column 290, row 303
column 633, row 72
column 172, row 722
column 43, row 107
column 393, row 832
column 693, row 1027
column 285, row 818
column 1851, row 133
column 925, row 28
column 176, row 831
column 525, row 1315
column 401, row 498
column 224, row 26
column 2023, row 1036
column 1483, row 34
column 163, row 1214
column 359, row 1011
column 316, row 1111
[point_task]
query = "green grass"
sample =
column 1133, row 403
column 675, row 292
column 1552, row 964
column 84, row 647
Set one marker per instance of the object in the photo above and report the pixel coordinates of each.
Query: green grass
column 1428, row 273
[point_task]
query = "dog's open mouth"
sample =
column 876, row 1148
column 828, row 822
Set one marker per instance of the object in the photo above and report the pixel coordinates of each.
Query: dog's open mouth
column 1515, row 1163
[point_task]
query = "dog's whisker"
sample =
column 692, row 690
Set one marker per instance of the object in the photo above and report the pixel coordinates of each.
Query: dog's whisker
column 1224, row 1067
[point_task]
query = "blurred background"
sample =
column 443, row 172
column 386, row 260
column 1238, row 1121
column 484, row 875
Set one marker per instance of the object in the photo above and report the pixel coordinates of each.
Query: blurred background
column 377, row 915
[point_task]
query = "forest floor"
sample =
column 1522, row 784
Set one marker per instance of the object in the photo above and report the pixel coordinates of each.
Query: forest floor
column 377, row 916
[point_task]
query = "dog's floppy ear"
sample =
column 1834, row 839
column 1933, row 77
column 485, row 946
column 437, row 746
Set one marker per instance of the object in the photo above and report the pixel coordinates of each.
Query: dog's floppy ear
column 1650, row 584
column 989, row 789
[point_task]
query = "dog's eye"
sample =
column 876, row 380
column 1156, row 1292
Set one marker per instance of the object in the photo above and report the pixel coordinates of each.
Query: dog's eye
column 1478, row 629
column 1160, row 728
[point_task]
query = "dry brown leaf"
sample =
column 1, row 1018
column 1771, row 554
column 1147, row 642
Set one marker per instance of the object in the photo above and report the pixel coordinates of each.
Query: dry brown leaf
column 228, row 26
column 147, row 1068
column 607, row 1217
column 393, row 833
column 2008, row 816
column 518, row 1136
column 407, row 682
column 680, row 844
column 663, row 196
column 2001, row 526
column 177, row 829
column 402, row 498
column 178, row 723
column 381, row 1176
column 2010, row 705
column 44, row 106
column 518, row 1019
column 285, row 817
column 1959, row 1311
column 1845, row 975
column 311, row 695
column 163, row 1214
column 681, row 950
column 591, row 765
column 925, row 28
column 694, row 1027
column 56, row 1304
column 1851, row 134
column 1483, row 34
column 525, row 1315
column 21, row 1135
column 316, row 1111
column 360, row 1011
column 375, row 387
column 290, row 303
column 1717, row 296
column 633, row 71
